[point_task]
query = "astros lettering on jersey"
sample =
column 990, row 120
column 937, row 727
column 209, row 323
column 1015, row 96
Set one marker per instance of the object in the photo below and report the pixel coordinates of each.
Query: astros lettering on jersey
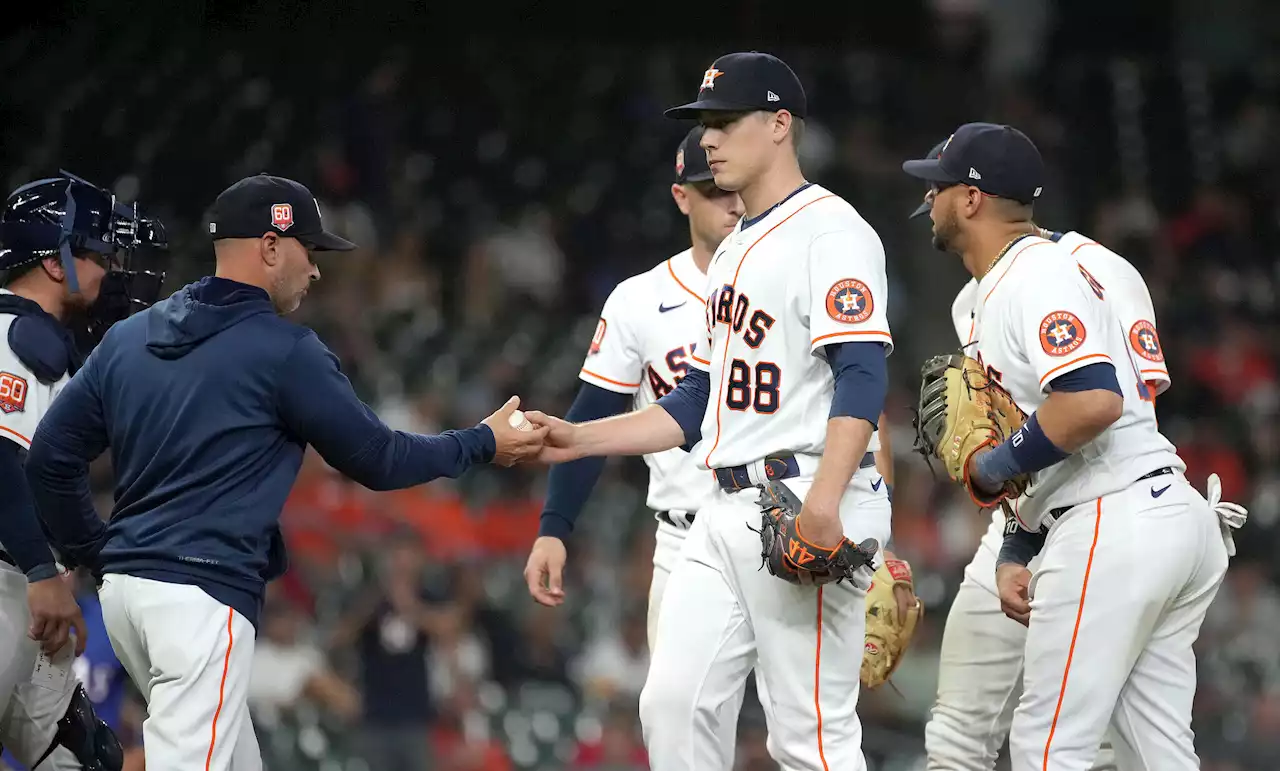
column 1039, row 313
column 648, row 333
column 23, row 399
column 813, row 270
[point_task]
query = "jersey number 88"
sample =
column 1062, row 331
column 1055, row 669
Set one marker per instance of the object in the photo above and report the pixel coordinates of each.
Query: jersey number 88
column 759, row 392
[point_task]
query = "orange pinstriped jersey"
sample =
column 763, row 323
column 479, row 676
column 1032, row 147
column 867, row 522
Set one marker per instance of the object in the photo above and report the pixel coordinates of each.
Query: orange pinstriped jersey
column 1039, row 314
column 807, row 274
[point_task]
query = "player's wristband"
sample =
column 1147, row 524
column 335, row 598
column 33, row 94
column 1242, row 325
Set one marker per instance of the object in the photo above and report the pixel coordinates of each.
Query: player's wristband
column 1026, row 452
column 1019, row 546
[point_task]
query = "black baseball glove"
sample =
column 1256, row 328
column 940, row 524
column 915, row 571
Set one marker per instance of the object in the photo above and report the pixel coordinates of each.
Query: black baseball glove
column 793, row 559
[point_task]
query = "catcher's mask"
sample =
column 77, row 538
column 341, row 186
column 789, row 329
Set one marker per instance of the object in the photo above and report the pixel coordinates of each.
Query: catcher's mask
column 67, row 215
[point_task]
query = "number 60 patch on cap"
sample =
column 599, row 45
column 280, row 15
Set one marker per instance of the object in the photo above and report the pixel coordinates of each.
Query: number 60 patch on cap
column 13, row 393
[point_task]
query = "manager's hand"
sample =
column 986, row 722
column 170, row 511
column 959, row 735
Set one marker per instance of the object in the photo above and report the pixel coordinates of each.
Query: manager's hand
column 514, row 445
column 54, row 613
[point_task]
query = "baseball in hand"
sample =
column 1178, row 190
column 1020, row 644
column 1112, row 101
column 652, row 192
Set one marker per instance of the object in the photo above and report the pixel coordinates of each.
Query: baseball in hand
column 519, row 422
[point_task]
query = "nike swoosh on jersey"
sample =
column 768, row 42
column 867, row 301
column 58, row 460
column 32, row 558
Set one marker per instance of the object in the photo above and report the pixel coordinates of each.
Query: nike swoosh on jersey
column 876, row 484
column 664, row 308
column 1157, row 493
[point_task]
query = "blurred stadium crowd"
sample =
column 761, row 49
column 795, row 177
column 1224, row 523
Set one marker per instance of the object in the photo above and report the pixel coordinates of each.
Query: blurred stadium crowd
column 494, row 220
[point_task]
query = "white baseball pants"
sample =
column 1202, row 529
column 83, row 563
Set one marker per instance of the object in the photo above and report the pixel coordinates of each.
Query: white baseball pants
column 31, row 705
column 980, row 671
column 730, row 616
column 1122, row 588
column 191, row 657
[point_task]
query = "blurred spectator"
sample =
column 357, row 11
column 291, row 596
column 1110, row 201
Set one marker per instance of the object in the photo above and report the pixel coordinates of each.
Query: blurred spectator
column 616, row 661
column 540, row 658
column 287, row 670
column 391, row 627
column 620, row 747
column 460, row 740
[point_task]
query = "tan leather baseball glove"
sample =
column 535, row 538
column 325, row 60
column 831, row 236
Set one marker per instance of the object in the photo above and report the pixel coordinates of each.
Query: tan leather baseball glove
column 888, row 636
column 962, row 411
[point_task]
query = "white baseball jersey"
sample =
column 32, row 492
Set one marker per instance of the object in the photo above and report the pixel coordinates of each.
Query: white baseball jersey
column 23, row 399
column 809, row 273
column 1125, row 291
column 648, row 331
column 1040, row 314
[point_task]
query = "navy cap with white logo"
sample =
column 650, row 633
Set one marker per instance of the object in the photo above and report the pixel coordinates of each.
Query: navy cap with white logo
column 998, row 160
column 691, row 159
column 746, row 82
column 266, row 204
column 927, row 203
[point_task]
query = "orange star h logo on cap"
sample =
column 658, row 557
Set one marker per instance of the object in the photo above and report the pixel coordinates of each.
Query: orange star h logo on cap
column 709, row 78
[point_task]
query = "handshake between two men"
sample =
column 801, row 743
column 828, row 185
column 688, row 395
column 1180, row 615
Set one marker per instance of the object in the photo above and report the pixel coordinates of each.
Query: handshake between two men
column 534, row 437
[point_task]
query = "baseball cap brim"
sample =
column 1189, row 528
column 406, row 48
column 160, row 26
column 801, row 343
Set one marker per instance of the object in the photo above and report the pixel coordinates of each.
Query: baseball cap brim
column 702, row 176
column 692, row 109
column 929, row 169
column 324, row 241
column 921, row 210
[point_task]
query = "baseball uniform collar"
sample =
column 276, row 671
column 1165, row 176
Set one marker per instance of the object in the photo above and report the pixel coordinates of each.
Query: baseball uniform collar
column 686, row 272
column 798, row 199
column 988, row 283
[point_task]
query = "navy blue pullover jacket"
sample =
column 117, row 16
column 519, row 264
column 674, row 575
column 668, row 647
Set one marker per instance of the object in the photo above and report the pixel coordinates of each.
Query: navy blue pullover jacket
column 207, row 401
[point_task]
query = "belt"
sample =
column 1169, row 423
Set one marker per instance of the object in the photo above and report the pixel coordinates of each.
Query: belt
column 666, row 516
column 776, row 467
column 1054, row 514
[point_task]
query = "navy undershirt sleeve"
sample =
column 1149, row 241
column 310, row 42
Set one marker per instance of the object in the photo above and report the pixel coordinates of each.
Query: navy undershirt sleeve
column 1019, row 546
column 862, row 380
column 688, row 405
column 317, row 402
column 570, row 484
column 20, row 532
column 1100, row 376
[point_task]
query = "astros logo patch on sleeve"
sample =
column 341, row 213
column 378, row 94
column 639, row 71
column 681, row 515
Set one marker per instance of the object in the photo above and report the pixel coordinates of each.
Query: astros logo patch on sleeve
column 13, row 393
column 1145, row 341
column 1061, row 332
column 849, row 301
column 598, row 338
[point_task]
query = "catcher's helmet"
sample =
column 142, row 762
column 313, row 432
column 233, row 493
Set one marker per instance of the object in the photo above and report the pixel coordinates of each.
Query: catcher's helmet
column 66, row 215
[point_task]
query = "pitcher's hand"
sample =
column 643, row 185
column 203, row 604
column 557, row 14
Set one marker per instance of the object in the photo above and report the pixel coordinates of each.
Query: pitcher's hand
column 560, row 445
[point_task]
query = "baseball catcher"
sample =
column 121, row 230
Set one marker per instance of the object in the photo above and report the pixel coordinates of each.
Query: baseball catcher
column 961, row 411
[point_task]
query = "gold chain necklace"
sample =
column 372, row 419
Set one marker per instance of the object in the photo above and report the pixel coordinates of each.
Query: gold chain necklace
column 1003, row 252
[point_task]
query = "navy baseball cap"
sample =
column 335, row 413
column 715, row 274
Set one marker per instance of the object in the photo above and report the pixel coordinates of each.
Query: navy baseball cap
column 927, row 203
column 267, row 204
column 691, row 159
column 746, row 82
column 998, row 160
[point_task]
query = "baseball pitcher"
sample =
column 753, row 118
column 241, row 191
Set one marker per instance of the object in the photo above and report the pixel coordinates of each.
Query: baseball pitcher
column 782, row 407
